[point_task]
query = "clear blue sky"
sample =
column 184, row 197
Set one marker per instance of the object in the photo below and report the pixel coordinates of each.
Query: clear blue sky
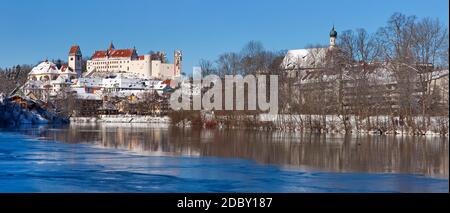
column 34, row 30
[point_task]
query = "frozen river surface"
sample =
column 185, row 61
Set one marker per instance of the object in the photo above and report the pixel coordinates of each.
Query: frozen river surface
column 33, row 162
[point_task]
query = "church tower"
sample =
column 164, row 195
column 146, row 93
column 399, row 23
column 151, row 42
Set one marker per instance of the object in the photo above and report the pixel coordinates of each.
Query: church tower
column 75, row 61
column 333, row 36
column 178, row 58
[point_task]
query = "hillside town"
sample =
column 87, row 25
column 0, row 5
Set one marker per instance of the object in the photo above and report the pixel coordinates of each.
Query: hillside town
column 114, row 81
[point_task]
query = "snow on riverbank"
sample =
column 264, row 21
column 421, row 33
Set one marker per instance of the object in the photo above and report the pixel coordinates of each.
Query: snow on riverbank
column 14, row 113
column 121, row 119
column 373, row 125
column 436, row 126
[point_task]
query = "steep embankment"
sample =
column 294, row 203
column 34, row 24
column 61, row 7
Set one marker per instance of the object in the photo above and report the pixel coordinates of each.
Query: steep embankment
column 13, row 113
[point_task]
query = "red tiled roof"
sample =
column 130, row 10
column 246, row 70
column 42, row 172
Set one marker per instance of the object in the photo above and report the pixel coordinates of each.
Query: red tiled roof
column 124, row 53
column 65, row 68
column 167, row 82
column 74, row 50
column 121, row 53
column 99, row 54
column 141, row 57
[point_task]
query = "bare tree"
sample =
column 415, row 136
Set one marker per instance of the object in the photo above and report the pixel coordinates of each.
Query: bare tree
column 429, row 44
column 395, row 41
column 228, row 64
column 13, row 77
column 413, row 50
column 359, row 52
column 207, row 67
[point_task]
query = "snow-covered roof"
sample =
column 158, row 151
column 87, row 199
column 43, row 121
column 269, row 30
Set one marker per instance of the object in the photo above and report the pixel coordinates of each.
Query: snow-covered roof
column 89, row 82
column 48, row 67
column 102, row 74
column 124, row 83
column 120, row 82
column 304, row 58
column 126, row 93
column 128, row 83
column 88, row 96
column 82, row 94
column 45, row 67
column 61, row 80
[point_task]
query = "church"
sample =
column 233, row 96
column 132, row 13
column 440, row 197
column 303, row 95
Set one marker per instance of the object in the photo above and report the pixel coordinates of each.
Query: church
column 309, row 57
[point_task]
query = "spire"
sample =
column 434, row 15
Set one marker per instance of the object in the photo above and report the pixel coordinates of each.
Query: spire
column 111, row 46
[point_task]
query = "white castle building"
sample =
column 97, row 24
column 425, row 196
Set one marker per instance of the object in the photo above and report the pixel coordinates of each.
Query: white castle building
column 114, row 72
column 148, row 66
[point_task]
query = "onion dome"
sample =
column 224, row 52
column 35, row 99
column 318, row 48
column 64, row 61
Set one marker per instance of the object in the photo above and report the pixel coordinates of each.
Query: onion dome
column 333, row 33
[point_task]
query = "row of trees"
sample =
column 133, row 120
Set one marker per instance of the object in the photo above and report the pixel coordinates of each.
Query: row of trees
column 12, row 77
column 408, row 52
column 252, row 59
column 388, row 72
column 414, row 48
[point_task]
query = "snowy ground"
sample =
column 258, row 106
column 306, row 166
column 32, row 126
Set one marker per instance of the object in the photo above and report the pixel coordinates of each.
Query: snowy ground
column 121, row 119
column 372, row 125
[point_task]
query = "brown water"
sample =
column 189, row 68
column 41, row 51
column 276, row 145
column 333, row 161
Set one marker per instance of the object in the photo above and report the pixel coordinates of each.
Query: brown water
column 335, row 153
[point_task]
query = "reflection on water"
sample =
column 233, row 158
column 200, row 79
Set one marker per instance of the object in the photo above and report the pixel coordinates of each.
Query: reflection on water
column 336, row 153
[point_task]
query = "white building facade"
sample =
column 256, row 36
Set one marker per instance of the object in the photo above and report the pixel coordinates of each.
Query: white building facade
column 47, row 80
column 120, row 85
column 151, row 66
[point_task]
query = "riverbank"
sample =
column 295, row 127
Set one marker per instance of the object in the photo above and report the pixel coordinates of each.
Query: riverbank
column 17, row 111
column 375, row 125
column 350, row 124
column 378, row 125
column 121, row 119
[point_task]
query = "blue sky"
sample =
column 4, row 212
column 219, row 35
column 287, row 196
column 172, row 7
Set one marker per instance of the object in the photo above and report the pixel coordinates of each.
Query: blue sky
column 35, row 30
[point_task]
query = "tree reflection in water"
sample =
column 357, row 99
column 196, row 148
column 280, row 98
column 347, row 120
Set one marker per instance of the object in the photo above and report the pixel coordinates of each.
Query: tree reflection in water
column 336, row 153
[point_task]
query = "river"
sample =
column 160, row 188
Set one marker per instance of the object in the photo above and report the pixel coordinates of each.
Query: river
column 159, row 158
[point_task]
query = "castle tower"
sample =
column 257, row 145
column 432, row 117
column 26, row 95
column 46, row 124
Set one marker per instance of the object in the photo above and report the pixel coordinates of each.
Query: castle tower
column 75, row 61
column 163, row 57
column 178, row 58
column 333, row 36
